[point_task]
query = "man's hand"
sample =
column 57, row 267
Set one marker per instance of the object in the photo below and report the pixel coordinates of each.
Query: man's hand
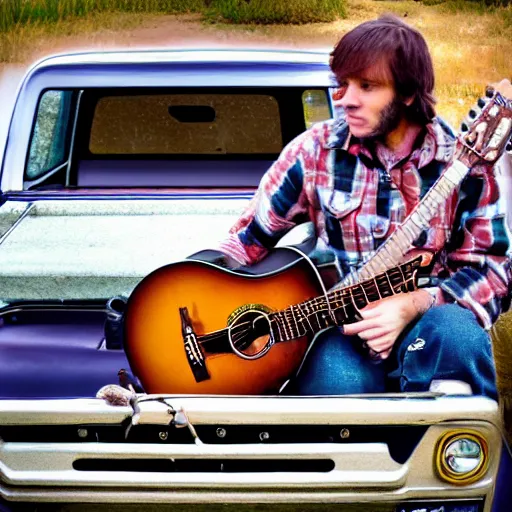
column 383, row 321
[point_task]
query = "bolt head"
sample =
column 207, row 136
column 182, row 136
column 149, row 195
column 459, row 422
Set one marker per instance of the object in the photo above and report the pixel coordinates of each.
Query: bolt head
column 264, row 436
column 344, row 433
column 163, row 435
column 82, row 433
column 221, row 432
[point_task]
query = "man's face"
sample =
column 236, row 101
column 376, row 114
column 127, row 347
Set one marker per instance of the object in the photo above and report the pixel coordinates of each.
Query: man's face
column 371, row 106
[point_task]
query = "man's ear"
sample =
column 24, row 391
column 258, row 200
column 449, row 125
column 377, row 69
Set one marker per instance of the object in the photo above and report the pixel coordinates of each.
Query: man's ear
column 408, row 101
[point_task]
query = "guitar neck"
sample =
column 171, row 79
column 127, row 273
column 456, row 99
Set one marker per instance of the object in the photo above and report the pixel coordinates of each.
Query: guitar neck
column 395, row 248
column 341, row 306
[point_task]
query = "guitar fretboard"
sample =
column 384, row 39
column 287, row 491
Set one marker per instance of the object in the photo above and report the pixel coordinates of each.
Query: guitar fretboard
column 341, row 306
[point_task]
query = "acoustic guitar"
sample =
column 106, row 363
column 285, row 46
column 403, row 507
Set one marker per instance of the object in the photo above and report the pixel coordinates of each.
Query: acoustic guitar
column 194, row 328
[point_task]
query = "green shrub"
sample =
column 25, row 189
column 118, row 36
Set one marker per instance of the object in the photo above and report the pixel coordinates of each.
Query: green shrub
column 277, row 11
column 21, row 12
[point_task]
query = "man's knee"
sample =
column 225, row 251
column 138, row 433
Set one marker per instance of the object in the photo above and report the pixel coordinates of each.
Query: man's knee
column 453, row 325
column 452, row 340
column 446, row 343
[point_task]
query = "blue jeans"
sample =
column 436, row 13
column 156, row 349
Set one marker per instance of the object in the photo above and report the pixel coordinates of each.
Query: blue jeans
column 445, row 343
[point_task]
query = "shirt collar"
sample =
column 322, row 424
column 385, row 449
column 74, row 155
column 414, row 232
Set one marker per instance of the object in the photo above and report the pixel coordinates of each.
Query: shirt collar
column 437, row 144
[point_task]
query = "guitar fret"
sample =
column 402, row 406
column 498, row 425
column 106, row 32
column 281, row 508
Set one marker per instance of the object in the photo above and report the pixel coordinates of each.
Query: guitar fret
column 377, row 287
column 288, row 328
column 440, row 198
column 409, row 233
column 305, row 316
column 381, row 261
column 297, row 322
column 371, row 291
column 389, row 281
column 364, row 292
column 387, row 285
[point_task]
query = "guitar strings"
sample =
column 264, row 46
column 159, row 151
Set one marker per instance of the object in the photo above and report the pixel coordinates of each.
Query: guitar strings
column 340, row 299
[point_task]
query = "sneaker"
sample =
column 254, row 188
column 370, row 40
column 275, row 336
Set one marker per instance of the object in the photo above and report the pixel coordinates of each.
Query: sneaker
column 450, row 387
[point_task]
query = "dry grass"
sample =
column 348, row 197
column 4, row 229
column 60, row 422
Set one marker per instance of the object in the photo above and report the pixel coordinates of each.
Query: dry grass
column 469, row 49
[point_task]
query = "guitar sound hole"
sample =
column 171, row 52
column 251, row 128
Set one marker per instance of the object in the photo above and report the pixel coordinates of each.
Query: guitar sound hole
column 250, row 333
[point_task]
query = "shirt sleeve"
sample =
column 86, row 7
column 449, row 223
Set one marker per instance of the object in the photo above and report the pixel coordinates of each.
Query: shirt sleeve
column 279, row 204
column 478, row 254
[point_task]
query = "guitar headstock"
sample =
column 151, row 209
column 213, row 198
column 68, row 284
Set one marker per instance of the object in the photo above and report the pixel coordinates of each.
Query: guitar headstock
column 487, row 131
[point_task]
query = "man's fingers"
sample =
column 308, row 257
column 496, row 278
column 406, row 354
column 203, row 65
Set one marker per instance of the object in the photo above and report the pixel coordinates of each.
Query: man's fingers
column 370, row 311
column 380, row 344
column 373, row 333
column 386, row 353
column 357, row 327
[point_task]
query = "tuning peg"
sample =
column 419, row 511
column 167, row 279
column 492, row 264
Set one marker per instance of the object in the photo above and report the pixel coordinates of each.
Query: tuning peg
column 464, row 127
column 489, row 91
column 508, row 147
column 474, row 112
column 481, row 102
column 468, row 123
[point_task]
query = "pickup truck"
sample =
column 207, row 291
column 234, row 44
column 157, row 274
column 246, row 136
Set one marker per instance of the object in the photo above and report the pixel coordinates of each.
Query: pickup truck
column 115, row 165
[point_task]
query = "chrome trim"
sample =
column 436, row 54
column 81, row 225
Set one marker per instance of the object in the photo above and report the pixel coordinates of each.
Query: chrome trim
column 157, row 55
column 72, row 141
column 17, row 308
column 383, row 409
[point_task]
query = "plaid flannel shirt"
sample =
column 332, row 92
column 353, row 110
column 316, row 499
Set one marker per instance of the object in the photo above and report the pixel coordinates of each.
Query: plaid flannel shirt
column 329, row 177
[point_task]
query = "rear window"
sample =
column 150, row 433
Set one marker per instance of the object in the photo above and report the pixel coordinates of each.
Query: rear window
column 192, row 124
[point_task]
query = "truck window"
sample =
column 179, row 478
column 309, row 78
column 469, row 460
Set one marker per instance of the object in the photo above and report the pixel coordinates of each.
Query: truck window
column 183, row 137
column 48, row 145
column 186, row 124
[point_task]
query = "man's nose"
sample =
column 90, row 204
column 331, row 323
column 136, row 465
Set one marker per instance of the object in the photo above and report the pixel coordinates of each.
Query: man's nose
column 350, row 98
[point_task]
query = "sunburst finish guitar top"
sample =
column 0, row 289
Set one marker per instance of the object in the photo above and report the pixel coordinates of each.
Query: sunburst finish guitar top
column 155, row 343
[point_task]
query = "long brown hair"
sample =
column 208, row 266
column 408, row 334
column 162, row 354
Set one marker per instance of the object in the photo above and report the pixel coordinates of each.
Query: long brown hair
column 400, row 48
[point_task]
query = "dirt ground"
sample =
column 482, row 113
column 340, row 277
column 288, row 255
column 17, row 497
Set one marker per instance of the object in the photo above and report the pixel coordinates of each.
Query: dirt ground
column 169, row 31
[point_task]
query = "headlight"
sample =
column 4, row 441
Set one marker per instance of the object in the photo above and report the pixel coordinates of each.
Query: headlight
column 461, row 457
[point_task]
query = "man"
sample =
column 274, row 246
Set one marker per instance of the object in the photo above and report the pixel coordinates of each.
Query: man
column 356, row 178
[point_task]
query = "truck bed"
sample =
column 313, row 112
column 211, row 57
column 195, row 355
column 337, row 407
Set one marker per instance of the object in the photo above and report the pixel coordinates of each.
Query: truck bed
column 100, row 248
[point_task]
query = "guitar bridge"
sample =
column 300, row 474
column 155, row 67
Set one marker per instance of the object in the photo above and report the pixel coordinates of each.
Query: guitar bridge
column 195, row 356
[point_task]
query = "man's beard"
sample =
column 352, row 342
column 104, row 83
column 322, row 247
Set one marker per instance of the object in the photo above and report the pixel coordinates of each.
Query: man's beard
column 389, row 119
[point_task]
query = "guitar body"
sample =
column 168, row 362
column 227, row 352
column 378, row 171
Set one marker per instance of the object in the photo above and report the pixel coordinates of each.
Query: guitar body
column 154, row 341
